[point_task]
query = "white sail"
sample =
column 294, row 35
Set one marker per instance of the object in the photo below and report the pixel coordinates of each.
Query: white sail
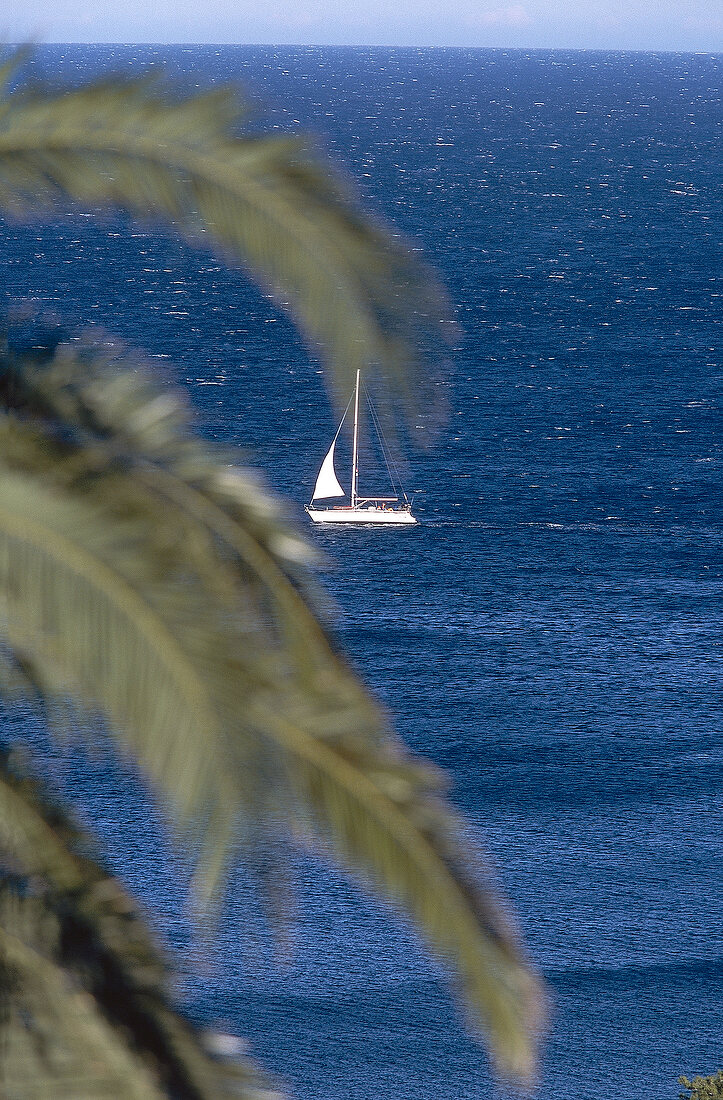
column 327, row 484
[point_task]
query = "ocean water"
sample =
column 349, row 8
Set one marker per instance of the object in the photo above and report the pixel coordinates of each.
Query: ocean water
column 551, row 633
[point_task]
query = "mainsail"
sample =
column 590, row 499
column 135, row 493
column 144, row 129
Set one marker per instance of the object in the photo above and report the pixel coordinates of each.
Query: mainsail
column 327, row 484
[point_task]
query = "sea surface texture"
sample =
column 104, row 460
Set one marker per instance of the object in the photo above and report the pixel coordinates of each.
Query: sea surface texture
column 551, row 633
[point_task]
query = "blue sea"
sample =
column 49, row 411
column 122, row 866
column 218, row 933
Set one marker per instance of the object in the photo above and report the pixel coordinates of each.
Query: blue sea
column 551, row 633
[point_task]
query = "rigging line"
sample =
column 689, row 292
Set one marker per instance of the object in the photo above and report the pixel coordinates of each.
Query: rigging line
column 341, row 422
column 382, row 441
column 395, row 480
column 388, row 450
column 386, row 453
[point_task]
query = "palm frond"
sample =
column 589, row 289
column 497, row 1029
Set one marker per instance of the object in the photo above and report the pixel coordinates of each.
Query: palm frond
column 84, row 999
column 143, row 580
column 360, row 296
column 380, row 813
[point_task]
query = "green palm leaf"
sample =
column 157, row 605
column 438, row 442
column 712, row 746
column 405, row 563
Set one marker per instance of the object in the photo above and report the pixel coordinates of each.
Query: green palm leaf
column 358, row 294
column 84, row 995
column 144, row 581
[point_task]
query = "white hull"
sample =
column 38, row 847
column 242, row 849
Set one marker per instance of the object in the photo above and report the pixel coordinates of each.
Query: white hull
column 386, row 516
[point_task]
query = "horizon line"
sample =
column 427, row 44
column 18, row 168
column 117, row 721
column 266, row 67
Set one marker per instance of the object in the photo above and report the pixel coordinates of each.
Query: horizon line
column 370, row 46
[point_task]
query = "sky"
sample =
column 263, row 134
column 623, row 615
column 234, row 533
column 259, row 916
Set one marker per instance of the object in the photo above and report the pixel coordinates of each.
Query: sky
column 572, row 24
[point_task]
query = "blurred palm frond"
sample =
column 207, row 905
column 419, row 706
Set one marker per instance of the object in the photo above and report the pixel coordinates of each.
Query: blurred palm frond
column 361, row 297
column 84, row 997
column 154, row 584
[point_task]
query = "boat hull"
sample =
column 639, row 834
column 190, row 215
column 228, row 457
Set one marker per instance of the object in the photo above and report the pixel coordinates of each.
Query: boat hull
column 386, row 517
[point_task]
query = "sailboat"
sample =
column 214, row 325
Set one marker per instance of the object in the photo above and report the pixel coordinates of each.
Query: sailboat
column 390, row 511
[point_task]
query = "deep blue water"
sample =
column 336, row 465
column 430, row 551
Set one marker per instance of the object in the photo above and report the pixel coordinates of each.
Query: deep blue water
column 552, row 631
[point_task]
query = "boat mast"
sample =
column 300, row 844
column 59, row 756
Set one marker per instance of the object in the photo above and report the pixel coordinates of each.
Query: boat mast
column 355, row 448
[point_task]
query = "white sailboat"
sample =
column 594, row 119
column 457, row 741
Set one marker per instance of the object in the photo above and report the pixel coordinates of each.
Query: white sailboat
column 390, row 511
